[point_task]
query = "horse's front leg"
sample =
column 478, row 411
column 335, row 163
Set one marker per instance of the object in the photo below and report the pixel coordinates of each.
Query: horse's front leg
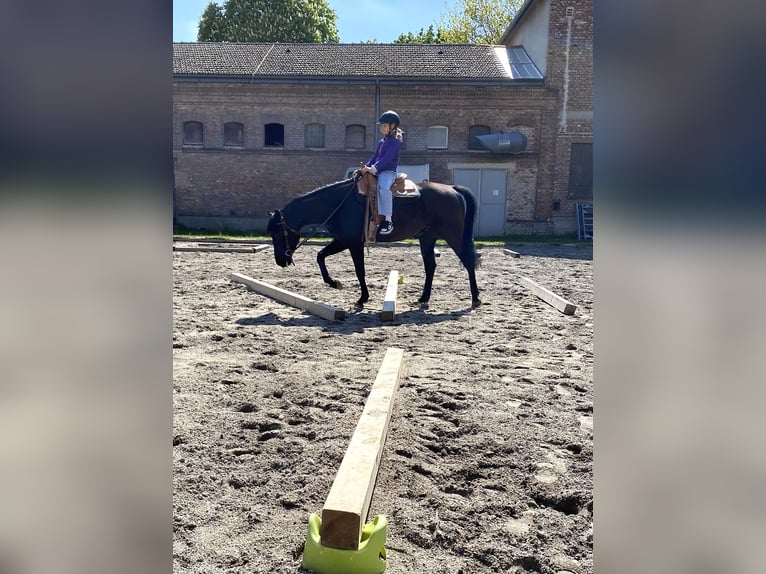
column 357, row 254
column 334, row 247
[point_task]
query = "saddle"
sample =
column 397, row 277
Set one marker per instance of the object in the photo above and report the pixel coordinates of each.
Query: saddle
column 368, row 185
column 402, row 187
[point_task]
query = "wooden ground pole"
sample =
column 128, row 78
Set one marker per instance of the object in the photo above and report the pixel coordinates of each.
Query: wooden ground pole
column 549, row 297
column 346, row 507
column 236, row 249
column 389, row 303
column 321, row 309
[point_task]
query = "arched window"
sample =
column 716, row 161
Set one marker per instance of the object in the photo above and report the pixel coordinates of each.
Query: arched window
column 438, row 137
column 314, row 135
column 192, row 133
column 274, row 135
column 477, row 130
column 355, row 136
column 233, row 134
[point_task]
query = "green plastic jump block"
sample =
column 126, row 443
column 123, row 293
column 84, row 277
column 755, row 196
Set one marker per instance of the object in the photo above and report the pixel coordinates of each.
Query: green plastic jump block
column 369, row 558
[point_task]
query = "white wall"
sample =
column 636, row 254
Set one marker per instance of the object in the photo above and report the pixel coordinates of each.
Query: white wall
column 532, row 33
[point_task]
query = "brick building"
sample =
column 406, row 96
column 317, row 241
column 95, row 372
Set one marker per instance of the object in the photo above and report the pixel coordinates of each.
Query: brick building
column 257, row 124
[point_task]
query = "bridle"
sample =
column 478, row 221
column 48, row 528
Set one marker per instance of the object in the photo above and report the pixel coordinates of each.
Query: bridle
column 286, row 228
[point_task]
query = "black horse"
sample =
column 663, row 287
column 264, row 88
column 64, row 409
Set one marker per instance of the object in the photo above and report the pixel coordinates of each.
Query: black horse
column 441, row 212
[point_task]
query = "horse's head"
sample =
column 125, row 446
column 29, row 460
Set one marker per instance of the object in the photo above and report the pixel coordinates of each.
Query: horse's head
column 283, row 237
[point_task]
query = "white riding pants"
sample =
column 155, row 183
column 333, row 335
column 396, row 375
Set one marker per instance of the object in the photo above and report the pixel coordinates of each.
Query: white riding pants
column 385, row 198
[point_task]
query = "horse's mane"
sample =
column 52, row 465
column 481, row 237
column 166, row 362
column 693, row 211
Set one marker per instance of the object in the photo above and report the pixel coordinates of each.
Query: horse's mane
column 343, row 183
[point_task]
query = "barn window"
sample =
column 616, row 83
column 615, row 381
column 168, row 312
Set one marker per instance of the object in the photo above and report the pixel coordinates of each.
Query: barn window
column 477, row 130
column 274, row 135
column 314, row 135
column 192, row 133
column 581, row 171
column 234, row 134
column 355, row 136
column 438, row 137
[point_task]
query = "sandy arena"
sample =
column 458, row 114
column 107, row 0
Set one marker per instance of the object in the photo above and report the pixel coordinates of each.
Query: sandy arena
column 488, row 464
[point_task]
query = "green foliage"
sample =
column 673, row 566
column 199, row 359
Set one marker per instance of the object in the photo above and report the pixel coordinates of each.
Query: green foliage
column 211, row 24
column 302, row 21
column 422, row 37
column 478, row 21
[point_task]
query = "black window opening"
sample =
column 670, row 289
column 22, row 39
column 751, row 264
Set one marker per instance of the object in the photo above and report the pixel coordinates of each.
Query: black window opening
column 477, row 130
column 355, row 136
column 274, row 135
column 581, row 171
column 192, row 133
column 314, row 136
column 234, row 134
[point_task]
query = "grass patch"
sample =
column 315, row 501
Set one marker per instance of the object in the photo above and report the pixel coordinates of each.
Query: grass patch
column 544, row 239
column 496, row 241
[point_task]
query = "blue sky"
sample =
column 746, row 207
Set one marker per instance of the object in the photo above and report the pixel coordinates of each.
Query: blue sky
column 358, row 20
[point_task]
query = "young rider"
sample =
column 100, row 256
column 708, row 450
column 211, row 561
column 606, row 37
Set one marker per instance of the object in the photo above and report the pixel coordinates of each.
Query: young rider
column 384, row 163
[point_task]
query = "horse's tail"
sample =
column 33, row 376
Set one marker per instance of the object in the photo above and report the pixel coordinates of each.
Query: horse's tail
column 468, row 257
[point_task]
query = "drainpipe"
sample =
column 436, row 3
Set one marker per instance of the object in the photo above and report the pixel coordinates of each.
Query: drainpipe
column 377, row 101
column 565, row 98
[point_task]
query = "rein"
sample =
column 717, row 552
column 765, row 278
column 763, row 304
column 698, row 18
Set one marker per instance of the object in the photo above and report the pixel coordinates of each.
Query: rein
column 285, row 227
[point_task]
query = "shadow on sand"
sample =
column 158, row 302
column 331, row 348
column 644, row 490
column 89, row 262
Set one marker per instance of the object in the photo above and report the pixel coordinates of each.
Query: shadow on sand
column 356, row 321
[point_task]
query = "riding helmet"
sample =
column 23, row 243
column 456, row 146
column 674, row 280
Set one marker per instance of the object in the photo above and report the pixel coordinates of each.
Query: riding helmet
column 389, row 117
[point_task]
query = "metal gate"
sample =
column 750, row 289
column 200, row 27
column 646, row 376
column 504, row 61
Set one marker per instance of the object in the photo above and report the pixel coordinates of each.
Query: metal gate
column 488, row 186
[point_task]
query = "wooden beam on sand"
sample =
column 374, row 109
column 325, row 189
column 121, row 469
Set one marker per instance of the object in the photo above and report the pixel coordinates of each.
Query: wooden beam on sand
column 254, row 249
column 321, row 309
column 389, row 303
column 549, row 297
column 511, row 253
column 348, row 503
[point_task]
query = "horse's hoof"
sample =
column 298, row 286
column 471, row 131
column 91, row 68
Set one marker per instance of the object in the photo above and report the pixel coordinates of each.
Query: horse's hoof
column 475, row 303
column 422, row 304
column 336, row 284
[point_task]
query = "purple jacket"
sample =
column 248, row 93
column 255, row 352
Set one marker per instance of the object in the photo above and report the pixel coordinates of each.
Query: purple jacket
column 386, row 156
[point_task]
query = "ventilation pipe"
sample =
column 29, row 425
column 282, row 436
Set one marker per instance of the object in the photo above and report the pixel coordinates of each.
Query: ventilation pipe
column 504, row 142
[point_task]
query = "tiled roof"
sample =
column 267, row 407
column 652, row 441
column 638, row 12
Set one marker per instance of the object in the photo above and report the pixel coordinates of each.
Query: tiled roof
column 413, row 61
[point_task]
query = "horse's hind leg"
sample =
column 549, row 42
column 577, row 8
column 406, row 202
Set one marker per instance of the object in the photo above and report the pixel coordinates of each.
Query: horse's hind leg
column 332, row 248
column 475, row 301
column 429, row 264
column 470, row 265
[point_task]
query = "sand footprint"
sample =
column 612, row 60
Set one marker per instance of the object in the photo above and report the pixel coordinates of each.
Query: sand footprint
column 550, row 471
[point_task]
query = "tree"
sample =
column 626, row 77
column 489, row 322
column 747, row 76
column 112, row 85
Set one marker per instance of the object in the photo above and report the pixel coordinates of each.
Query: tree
column 211, row 25
column 478, row 21
column 303, row 21
column 427, row 37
